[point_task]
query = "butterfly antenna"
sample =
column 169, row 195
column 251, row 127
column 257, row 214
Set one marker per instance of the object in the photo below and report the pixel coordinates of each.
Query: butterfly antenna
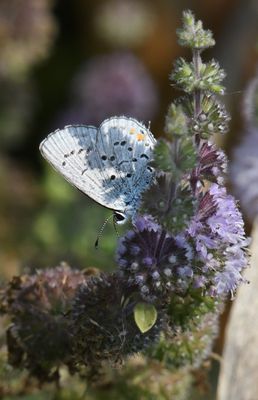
column 101, row 231
column 235, row 92
column 115, row 226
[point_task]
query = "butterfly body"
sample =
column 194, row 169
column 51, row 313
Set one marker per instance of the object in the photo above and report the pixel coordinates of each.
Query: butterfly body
column 110, row 164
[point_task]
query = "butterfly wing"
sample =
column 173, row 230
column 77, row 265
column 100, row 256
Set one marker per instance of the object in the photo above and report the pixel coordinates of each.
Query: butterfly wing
column 71, row 151
column 108, row 164
column 127, row 145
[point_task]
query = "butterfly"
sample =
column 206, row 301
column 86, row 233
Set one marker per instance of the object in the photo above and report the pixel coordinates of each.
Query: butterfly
column 110, row 164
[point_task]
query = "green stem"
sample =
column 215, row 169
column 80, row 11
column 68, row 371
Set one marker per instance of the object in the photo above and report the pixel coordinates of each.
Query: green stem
column 197, row 93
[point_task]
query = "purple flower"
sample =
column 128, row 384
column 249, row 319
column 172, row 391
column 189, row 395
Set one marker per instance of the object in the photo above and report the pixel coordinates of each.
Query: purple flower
column 153, row 259
column 38, row 305
column 210, row 254
column 211, row 165
column 218, row 237
column 115, row 84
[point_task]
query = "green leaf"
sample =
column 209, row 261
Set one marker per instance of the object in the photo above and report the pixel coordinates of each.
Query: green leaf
column 162, row 156
column 145, row 316
column 176, row 121
column 177, row 157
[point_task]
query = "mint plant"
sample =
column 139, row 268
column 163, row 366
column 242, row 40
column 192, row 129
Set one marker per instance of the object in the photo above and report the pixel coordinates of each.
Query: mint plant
column 182, row 257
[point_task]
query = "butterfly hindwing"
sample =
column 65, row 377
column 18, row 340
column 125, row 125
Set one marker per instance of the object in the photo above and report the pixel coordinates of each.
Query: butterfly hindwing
column 129, row 144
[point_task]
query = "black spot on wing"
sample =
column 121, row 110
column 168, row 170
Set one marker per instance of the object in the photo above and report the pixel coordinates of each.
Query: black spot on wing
column 123, row 162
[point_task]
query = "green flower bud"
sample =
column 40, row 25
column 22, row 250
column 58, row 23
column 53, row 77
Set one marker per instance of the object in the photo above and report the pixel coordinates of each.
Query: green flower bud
column 193, row 35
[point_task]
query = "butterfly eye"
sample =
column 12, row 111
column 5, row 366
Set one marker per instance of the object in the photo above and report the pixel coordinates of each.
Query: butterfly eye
column 119, row 218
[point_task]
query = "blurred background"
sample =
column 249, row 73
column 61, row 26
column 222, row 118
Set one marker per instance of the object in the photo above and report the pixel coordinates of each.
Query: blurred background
column 82, row 61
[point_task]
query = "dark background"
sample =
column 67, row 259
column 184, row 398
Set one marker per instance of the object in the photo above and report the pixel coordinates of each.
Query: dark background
column 82, row 61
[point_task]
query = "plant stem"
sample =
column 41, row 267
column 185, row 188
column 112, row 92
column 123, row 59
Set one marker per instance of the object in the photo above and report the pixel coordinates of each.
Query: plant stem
column 197, row 92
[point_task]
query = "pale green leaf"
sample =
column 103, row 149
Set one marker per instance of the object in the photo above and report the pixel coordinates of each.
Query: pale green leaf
column 145, row 316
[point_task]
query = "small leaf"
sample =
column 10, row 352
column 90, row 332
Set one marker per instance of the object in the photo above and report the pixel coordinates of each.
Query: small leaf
column 162, row 156
column 176, row 121
column 145, row 316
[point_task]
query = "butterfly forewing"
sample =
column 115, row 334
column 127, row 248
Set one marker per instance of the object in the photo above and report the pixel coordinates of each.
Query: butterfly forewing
column 68, row 151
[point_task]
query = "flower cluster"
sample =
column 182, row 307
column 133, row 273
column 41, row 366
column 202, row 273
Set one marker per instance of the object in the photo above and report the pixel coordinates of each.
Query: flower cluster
column 197, row 239
column 209, row 254
column 39, row 336
column 63, row 316
column 218, row 237
column 211, row 166
column 154, row 260
column 103, row 325
column 115, row 84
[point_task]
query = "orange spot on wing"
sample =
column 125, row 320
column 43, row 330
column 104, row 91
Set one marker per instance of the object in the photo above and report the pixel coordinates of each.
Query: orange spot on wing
column 132, row 131
column 140, row 137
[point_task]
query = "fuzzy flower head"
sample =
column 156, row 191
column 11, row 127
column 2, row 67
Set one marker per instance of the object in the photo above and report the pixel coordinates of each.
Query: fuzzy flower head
column 218, row 239
column 39, row 337
column 103, row 324
column 115, row 84
column 154, row 260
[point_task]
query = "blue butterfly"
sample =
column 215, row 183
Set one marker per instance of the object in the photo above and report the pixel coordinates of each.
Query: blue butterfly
column 110, row 164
